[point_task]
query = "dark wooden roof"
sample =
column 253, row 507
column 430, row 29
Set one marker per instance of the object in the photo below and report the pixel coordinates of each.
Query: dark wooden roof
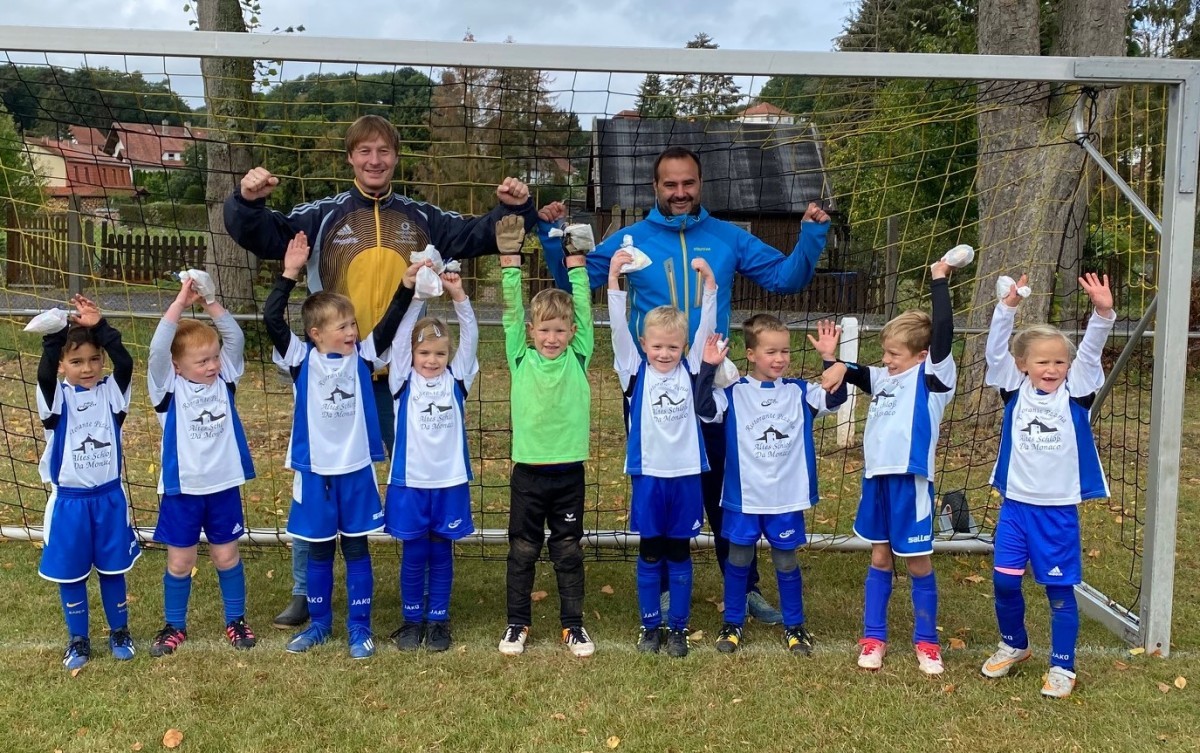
column 762, row 168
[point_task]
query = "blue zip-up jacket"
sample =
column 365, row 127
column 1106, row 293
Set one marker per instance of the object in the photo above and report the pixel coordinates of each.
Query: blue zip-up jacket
column 672, row 243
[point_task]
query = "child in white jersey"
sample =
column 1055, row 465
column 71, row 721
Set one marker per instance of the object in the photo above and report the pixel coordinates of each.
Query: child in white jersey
column 193, row 373
column 1047, row 465
column 909, row 394
column 87, row 521
column 335, row 438
column 665, row 451
column 770, row 470
column 428, row 498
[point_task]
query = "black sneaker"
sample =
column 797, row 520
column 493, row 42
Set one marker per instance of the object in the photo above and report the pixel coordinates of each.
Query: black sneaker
column 799, row 640
column 240, row 635
column 167, row 640
column 729, row 638
column 294, row 614
column 650, row 640
column 408, row 636
column 677, row 643
column 437, row 636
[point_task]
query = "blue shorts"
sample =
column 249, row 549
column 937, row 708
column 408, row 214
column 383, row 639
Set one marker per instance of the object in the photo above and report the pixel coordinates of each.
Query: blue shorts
column 415, row 513
column 346, row 504
column 182, row 516
column 670, row 507
column 897, row 509
column 1046, row 536
column 86, row 527
column 783, row 530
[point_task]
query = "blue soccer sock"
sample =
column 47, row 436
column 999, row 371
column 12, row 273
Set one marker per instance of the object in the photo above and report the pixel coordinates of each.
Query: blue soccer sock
column 1010, row 609
column 177, row 591
column 414, row 564
column 320, row 592
column 114, row 597
column 925, row 603
column 360, row 586
column 649, row 583
column 1064, row 626
column 679, row 573
column 233, row 591
column 441, row 579
column 75, row 606
column 876, row 594
column 737, row 579
column 791, row 596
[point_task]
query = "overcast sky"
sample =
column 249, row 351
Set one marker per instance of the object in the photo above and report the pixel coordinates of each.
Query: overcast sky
column 792, row 25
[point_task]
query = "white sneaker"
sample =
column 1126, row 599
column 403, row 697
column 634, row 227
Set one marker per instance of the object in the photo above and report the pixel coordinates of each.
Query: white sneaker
column 512, row 643
column 577, row 639
column 871, row 653
column 1059, row 683
column 1005, row 658
column 929, row 658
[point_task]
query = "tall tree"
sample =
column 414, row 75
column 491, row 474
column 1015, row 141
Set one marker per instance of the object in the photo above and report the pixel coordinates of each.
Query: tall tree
column 652, row 99
column 230, row 104
column 20, row 186
column 699, row 94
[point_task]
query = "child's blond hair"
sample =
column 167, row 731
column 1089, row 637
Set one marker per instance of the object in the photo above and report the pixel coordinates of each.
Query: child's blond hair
column 912, row 329
column 753, row 327
column 667, row 318
column 430, row 328
column 192, row 333
column 323, row 307
column 1035, row 332
column 552, row 303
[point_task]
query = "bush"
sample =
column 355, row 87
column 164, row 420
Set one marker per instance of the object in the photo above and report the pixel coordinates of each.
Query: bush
column 165, row 214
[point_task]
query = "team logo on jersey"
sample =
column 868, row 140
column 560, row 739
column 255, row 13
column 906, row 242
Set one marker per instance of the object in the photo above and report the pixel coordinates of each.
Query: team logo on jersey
column 772, row 435
column 1036, row 427
column 1040, row 434
column 207, row 417
column 84, row 406
column 338, row 395
column 91, row 444
column 665, row 399
column 768, row 402
column 439, row 408
column 882, row 395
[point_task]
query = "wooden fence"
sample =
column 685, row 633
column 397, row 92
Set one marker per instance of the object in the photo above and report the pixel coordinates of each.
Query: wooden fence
column 130, row 258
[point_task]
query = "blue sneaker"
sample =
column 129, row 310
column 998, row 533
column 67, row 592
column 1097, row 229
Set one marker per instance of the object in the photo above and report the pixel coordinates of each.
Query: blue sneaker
column 121, row 644
column 761, row 610
column 79, row 650
column 313, row 635
column 362, row 645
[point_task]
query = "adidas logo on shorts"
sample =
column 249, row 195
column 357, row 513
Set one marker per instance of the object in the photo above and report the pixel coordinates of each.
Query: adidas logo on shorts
column 1054, row 572
column 696, row 526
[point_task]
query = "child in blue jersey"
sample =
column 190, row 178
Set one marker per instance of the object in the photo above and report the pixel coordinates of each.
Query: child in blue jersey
column 770, row 469
column 1047, row 465
column 664, row 449
column 87, row 520
column 428, row 498
column 193, row 373
column 335, row 438
column 909, row 395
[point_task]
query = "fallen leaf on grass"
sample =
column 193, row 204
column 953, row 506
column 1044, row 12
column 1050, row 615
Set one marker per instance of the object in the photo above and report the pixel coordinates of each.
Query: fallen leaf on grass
column 1137, row 651
column 1162, row 738
column 173, row 738
column 957, row 644
column 612, row 742
column 1093, row 553
column 559, row 716
column 948, row 688
column 538, row 595
column 696, row 636
column 135, row 746
column 1164, row 688
column 195, row 570
column 606, row 589
column 1120, row 666
column 1023, row 713
column 974, row 579
column 1181, row 682
column 75, row 672
column 270, row 575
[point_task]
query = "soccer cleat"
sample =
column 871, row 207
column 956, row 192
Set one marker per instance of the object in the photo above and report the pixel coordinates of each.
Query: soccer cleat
column 121, row 644
column 239, row 634
column 798, row 640
column 1006, row 657
column 294, row 614
column 512, row 643
column 437, row 636
column 79, row 650
column 313, row 635
column 871, row 653
column 650, row 640
column 729, row 639
column 577, row 639
column 167, row 640
column 761, row 610
column 1059, row 683
column 362, row 644
column 929, row 658
column 677, row 643
column 408, row 636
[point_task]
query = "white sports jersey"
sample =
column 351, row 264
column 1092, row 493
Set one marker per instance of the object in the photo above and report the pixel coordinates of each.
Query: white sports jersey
column 904, row 419
column 204, row 447
column 771, row 465
column 335, row 428
column 431, row 438
column 83, row 450
column 1047, row 452
column 664, row 437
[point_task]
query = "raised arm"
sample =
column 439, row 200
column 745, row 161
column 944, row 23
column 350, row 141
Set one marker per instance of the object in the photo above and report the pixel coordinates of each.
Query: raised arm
column 1086, row 374
column 47, row 377
column 1002, row 372
column 773, row 271
column 714, row 352
column 583, row 343
column 275, row 308
column 942, row 373
column 385, row 329
column 261, row 231
column 465, row 365
column 708, row 316
column 461, row 237
column 626, row 358
column 553, row 253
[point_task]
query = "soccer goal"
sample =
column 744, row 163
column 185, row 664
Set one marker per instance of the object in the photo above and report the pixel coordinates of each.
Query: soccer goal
column 1051, row 166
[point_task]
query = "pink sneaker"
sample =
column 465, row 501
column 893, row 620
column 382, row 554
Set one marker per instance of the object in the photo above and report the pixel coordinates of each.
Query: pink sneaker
column 929, row 658
column 871, row 653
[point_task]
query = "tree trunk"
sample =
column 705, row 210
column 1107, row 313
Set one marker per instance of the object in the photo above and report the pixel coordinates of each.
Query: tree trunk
column 227, row 95
column 1030, row 181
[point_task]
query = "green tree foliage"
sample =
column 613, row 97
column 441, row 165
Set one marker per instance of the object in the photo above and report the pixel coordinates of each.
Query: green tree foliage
column 700, row 94
column 19, row 185
column 183, row 185
column 44, row 100
column 652, row 99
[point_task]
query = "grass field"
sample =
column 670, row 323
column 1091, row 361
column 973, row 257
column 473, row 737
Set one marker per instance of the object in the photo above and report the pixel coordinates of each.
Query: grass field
column 471, row 698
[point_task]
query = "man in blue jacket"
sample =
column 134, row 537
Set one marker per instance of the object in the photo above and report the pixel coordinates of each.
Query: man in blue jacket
column 675, row 231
